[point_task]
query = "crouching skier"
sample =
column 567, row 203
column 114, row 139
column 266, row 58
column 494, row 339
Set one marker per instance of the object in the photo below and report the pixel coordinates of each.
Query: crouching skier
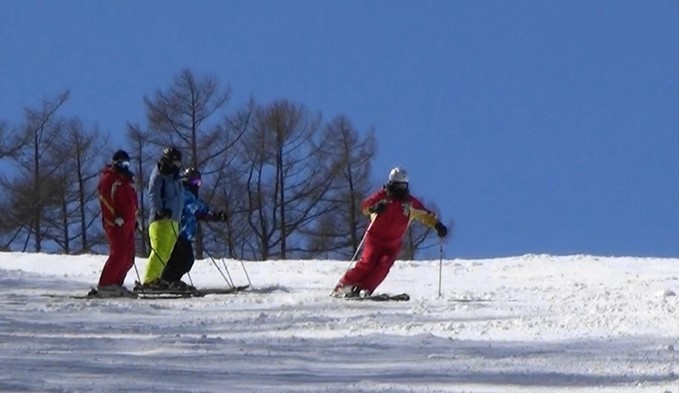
column 182, row 258
column 119, row 204
column 391, row 209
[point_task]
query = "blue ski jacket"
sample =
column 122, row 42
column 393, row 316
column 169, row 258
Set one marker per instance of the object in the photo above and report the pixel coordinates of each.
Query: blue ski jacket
column 194, row 207
column 165, row 191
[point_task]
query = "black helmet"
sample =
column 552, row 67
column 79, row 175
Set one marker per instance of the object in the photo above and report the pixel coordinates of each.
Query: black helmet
column 121, row 161
column 120, row 155
column 171, row 161
column 172, row 154
column 191, row 177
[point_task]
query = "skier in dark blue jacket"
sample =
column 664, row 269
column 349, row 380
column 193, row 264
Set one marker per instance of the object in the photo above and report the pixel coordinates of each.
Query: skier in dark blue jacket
column 182, row 258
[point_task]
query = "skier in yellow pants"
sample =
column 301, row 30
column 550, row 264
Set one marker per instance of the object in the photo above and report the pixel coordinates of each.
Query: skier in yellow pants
column 162, row 235
column 166, row 195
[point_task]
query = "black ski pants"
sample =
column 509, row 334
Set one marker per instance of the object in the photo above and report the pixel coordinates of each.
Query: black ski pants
column 180, row 262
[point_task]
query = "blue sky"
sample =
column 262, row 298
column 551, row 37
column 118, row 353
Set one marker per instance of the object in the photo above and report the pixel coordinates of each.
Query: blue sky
column 538, row 126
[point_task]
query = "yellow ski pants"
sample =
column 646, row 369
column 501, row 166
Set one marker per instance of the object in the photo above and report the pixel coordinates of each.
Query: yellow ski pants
column 162, row 236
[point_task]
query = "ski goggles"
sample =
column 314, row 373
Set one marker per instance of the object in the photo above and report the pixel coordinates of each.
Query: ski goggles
column 122, row 164
column 195, row 182
column 398, row 185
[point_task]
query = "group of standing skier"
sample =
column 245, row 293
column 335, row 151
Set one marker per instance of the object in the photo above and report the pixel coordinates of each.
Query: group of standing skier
column 175, row 207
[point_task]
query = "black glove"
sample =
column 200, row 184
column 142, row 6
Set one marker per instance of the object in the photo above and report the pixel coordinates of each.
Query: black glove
column 163, row 214
column 214, row 216
column 378, row 207
column 441, row 229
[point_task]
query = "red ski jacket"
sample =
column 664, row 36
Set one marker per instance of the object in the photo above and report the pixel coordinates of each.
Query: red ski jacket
column 390, row 225
column 118, row 198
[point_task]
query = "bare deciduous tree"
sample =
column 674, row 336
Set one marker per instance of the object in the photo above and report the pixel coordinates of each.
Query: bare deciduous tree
column 338, row 232
column 10, row 143
column 34, row 191
column 78, row 174
column 191, row 115
column 289, row 186
column 288, row 177
column 140, row 156
column 227, row 190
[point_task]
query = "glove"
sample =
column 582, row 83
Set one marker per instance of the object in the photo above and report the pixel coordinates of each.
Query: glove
column 441, row 229
column 163, row 214
column 378, row 207
column 137, row 224
column 118, row 221
column 220, row 216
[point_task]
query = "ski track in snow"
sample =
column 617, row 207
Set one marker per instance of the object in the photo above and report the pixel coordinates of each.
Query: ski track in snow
column 535, row 323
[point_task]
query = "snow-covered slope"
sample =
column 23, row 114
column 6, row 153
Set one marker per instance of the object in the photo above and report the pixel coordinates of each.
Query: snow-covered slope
column 534, row 323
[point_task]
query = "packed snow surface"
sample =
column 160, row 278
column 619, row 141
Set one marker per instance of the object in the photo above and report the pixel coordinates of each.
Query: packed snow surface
column 535, row 323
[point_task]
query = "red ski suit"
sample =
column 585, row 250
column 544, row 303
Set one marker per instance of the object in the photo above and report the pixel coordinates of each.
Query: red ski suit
column 118, row 198
column 384, row 238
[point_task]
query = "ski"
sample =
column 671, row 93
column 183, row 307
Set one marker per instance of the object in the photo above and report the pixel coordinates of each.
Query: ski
column 148, row 292
column 382, row 297
column 139, row 293
column 94, row 296
column 190, row 292
column 222, row 291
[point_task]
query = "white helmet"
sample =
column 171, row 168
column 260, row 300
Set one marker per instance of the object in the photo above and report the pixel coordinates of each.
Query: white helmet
column 398, row 175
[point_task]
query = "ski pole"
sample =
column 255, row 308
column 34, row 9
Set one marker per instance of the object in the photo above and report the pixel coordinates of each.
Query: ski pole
column 153, row 251
column 228, row 274
column 134, row 261
column 360, row 244
column 229, row 283
column 159, row 258
column 246, row 274
column 440, row 263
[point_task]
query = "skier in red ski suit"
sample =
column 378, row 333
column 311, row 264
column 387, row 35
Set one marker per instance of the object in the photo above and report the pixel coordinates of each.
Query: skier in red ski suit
column 391, row 210
column 119, row 204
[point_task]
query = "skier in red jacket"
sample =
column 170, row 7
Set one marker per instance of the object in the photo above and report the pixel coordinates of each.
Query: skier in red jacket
column 391, row 210
column 119, row 204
